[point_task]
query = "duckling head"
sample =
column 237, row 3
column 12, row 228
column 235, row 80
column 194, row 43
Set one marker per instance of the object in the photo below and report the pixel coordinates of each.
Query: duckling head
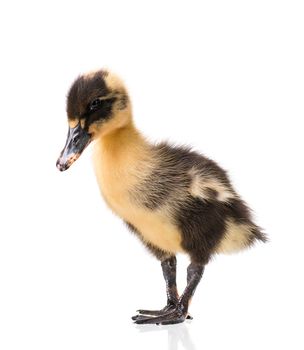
column 97, row 104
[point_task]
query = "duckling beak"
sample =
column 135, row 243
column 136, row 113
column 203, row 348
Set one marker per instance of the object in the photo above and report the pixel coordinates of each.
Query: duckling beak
column 77, row 140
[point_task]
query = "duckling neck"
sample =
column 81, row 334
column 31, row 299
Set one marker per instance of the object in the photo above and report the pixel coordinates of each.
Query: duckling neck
column 121, row 148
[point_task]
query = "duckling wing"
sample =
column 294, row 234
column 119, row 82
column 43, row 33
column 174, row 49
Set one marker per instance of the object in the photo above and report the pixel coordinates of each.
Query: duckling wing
column 195, row 194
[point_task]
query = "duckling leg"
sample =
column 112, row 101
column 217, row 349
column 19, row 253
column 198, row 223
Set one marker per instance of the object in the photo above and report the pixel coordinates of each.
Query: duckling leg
column 169, row 272
column 179, row 312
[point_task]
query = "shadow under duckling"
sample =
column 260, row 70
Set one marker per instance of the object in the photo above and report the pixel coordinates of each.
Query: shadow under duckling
column 173, row 198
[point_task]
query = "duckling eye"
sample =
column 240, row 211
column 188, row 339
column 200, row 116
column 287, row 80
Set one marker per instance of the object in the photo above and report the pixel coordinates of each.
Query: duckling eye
column 95, row 104
column 75, row 139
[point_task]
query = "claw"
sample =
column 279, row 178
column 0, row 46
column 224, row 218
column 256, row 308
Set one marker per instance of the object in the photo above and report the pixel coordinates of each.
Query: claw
column 135, row 317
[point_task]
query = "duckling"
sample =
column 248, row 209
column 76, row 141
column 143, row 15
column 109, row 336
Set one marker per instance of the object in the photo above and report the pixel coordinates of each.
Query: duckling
column 174, row 199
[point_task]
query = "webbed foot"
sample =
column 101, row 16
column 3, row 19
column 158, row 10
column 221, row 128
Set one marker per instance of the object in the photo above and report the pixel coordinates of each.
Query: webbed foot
column 170, row 314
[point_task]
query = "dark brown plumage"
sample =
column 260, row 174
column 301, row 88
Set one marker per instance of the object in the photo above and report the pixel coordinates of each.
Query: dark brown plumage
column 174, row 199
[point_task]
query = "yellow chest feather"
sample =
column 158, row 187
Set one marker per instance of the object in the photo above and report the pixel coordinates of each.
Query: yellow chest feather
column 115, row 181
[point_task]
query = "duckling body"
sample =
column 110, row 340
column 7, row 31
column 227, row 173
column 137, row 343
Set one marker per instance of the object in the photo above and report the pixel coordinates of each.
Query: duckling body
column 174, row 199
column 120, row 174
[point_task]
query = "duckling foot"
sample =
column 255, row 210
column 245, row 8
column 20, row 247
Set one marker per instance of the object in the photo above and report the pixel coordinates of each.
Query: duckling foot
column 178, row 309
column 168, row 308
column 176, row 315
column 164, row 310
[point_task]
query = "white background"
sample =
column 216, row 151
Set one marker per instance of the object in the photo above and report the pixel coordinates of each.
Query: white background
column 224, row 76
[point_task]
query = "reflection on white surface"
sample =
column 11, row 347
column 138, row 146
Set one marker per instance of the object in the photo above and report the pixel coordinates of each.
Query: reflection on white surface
column 177, row 334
